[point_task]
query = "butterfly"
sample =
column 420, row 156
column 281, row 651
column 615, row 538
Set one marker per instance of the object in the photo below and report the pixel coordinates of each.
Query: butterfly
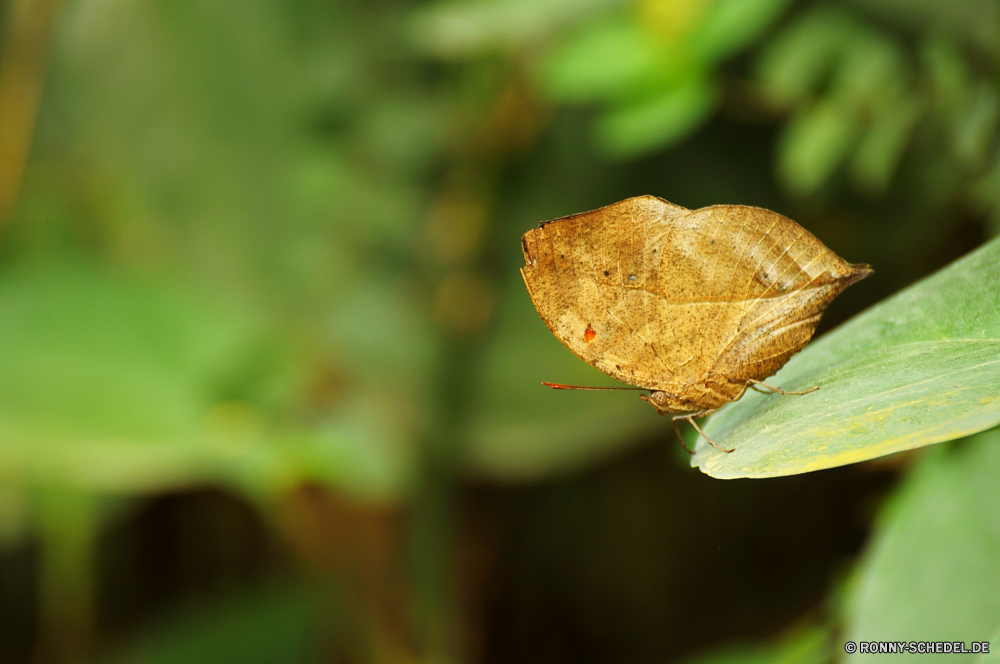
column 693, row 306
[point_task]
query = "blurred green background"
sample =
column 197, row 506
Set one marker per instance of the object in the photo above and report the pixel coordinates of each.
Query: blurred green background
column 269, row 377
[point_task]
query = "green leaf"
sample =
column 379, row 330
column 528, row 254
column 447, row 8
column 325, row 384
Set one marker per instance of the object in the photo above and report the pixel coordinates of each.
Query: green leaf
column 884, row 143
column 993, row 656
column 931, row 572
column 986, row 192
column 974, row 22
column 14, row 514
column 920, row 368
column 815, row 143
column 871, row 68
column 658, row 121
column 606, row 60
column 733, row 24
column 274, row 625
column 809, row 645
column 112, row 385
column 106, row 381
column 977, row 125
column 796, row 62
column 461, row 29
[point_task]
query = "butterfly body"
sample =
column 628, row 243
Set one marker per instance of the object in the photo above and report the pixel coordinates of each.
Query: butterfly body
column 694, row 306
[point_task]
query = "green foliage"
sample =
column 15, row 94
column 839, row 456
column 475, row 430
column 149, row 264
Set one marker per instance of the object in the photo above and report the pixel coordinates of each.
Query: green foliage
column 657, row 121
column 653, row 67
column 860, row 99
column 460, row 29
column 118, row 386
column 269, row 626
column 917, row 369
column 273, row 249
column 993, row 655
column 930, row 574
column 800, row 646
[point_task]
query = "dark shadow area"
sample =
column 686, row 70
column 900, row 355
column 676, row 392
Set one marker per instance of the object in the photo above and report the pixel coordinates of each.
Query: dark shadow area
column 646, row 561
column 183, row 549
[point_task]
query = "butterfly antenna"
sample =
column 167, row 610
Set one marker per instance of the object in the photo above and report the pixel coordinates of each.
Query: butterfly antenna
column 560, row 386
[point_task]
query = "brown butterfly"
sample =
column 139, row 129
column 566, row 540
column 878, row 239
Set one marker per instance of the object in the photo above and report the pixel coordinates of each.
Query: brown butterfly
column 693, row 306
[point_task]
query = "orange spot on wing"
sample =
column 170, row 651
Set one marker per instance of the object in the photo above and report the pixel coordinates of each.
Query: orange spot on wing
column 589, row 334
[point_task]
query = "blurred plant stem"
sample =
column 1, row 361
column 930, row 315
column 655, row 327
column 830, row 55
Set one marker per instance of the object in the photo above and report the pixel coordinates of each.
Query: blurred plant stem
column 461, row 225
column 68, row 524
column 433, row 528
column 353, row 550
column 23, row 62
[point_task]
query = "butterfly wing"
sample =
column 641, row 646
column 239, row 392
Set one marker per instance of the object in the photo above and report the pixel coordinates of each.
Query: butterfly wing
column 693, row 304
column 752, row 284
column 586, row 275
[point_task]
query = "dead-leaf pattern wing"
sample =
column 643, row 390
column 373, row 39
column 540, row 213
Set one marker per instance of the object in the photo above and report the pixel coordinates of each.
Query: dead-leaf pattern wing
column 780, row 279
column 589, row 271
column 676, row 300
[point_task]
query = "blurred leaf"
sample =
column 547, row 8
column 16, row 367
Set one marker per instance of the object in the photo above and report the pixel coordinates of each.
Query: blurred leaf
column 339, row 192
column 84, row 353
column 948, row 71
column 653, row 71
column 931, row 573
column 461, row 28
column 732, row 25
column 986, row 192
column 113, row 385
column 975, row 22
column 884, row 143
column 977, row 125
column 659, row 120
column 382, row 335
column 90, row 360
column 672, row 21
column 993, row 656
column 407, row 132
column 814, row 144
column 868, row 74
column 277, row 626
column 872, row 67
column 606, row 60
column 67, row 523
column 920, row 368
column 14, row 514
column 801, row 646
column 368, row 450
column 522, row 430
column 797, row 61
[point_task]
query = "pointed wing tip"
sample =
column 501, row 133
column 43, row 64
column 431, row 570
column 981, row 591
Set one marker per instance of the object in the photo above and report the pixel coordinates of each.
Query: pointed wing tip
column 861, row 271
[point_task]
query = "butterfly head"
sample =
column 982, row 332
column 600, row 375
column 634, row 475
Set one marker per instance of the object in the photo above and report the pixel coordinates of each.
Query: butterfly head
column 664, row 403
column 658, row 400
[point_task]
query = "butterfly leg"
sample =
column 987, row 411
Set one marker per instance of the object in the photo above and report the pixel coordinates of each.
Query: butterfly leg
column 680, row 437
column 777, row 390
column 690, row 418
